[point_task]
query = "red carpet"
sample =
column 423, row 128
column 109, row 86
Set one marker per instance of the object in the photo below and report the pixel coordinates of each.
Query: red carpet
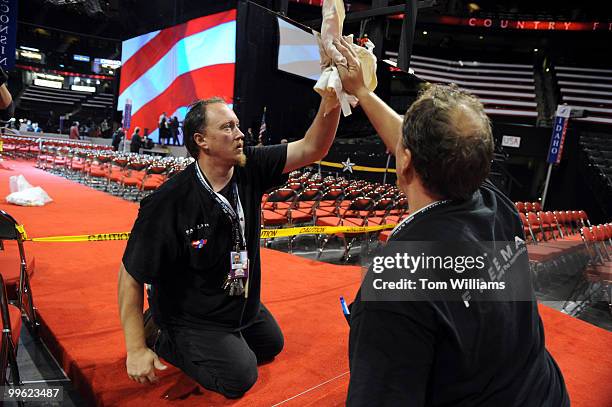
column 75, row 285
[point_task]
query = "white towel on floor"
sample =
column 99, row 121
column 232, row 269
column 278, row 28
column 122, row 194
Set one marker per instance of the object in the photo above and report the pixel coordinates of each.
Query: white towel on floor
column 24, row 194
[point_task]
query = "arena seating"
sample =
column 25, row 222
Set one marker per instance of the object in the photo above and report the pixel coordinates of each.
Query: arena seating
column 599, row 153
column 39, row 98
column 128, row 175
column 309, row 199
column 596, row 168
column 36, row 101
column 99, row 101
column 505, row 89
column 598, row 242
column 587, row 88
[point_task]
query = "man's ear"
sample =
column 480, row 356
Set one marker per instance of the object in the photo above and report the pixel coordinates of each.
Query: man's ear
column 405, row 167
column 201, row 140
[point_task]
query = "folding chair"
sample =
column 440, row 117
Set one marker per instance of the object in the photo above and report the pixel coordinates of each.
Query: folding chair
column 116, row 173
column 329, row 204
column 11, row 329
column 303, row 207
column 155, row 176
column 598, row 274
column 302, row 210
column 21, row 280
column 134, row 173
column 356, row 214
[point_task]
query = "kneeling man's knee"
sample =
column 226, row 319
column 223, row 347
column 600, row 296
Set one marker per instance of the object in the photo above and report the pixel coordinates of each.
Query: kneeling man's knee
column 240, row 381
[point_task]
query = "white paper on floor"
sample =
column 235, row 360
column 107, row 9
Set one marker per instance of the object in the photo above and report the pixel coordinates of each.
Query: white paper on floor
column 24, row 194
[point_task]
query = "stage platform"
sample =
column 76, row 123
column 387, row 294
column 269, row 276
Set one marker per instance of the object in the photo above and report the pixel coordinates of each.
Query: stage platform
column 75, row 289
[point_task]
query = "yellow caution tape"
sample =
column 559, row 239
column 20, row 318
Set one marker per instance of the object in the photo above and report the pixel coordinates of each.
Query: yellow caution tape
column 100, row 237
column 265, row 233
column 356, row 167
column 22, row 232
column 320, row 230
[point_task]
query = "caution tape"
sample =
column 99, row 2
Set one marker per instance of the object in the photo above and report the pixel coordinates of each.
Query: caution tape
column 356, row 167
column 22, row 232
column 321, row 230
column 265, row 233
column 99, row 237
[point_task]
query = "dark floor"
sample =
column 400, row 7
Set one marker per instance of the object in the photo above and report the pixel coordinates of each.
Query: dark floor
column 37, row 368
column 554, row 284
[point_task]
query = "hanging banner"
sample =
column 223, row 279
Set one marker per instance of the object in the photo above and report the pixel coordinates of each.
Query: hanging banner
column 127, row 113
column 8, row 33
column 555, row 150
column 535, row 25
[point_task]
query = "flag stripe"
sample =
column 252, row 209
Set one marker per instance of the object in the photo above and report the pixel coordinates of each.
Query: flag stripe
column 179, row 60
column 155, row 49
column 131, row 46
column 184, row 90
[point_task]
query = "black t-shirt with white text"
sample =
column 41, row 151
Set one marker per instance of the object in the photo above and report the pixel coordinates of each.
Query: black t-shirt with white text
column 442, row 353
column 187, row 279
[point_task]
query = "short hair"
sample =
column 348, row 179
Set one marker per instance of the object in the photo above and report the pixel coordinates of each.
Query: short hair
column 195, row 121
column 449, row 136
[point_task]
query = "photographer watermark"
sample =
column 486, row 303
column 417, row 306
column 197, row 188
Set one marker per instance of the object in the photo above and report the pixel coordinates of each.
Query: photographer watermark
column 449, row 271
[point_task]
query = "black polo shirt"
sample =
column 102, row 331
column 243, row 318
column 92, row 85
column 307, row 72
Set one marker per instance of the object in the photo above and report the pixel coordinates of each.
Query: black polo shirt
column 188, row 281
column 440, row 353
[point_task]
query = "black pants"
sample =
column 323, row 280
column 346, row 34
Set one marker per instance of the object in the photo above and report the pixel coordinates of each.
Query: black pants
column 225, row 362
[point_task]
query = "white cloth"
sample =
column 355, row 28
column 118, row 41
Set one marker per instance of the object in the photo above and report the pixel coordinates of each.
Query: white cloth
column 329, row 85
column 24, row 194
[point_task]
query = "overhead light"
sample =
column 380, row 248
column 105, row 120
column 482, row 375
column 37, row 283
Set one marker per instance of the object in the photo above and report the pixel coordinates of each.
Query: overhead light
column 547, row 69
column 480, row 37
column 535, row 50
column 30, row 55
column 424, row 32
column 80, row 88
column 29, row 48
column 47, row 83
column 48, row 76
column 472, row 7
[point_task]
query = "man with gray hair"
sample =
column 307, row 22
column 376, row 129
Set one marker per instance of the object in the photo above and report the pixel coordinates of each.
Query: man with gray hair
column 437, row 352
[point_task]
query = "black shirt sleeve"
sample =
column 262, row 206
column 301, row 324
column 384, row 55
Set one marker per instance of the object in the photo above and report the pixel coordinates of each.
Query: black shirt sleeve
column 7, row 114
column 391, row 351
column 267, row 164
column 153, row 245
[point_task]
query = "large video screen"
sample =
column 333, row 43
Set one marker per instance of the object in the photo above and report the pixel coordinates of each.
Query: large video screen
column 167, row 70
column 298, row 52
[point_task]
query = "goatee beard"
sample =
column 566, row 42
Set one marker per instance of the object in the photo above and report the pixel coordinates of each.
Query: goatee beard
column 242, row 160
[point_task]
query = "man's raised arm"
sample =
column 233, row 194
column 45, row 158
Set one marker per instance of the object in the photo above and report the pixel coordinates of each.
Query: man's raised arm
column 386, row 121
column 316, row 143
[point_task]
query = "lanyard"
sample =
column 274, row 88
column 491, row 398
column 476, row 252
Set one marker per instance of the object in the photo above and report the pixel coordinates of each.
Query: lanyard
column 420, row 212
column 237, row 219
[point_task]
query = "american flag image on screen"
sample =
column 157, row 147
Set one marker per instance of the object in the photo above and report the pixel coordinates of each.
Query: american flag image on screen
column 166, row 70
